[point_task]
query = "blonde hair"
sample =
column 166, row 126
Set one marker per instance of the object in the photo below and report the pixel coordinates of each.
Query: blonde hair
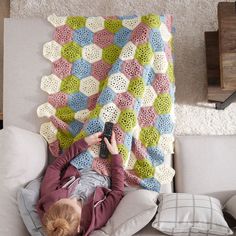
column 61, row 220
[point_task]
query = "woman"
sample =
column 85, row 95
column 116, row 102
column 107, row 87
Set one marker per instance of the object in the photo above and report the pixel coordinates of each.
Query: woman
column 76, row 202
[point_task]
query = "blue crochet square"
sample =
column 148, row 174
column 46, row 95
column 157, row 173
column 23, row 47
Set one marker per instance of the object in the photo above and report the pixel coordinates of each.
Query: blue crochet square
column 94, row 126
column 155, row 156
column 122, row 37
column 77, row 101
column 127, row 17
column 156, row 40
column 84, row 160
column 116, row 68
column 137, row 105
column 75, row 127
column 151, row 184
column 128, row 141
column 164, row 124
column 83, row 36
column 148, row 75
column 107, row 95
column 81, row 69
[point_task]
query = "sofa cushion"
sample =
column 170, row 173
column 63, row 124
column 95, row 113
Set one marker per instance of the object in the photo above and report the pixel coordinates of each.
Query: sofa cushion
column 148, row 230
column 230, row 207
column 23, row 157
column 133, row 213
column 206, row 164
column 27, row 199
column 187, row 215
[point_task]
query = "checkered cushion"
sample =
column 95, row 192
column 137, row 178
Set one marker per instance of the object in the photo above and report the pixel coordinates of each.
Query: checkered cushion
column 187, row 214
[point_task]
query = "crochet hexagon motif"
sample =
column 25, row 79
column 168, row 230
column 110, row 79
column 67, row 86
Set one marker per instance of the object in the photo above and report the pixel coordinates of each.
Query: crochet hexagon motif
column 111, row 53
column 117, row 69
column 127, row 119
column 75, row 22
column 71, row 51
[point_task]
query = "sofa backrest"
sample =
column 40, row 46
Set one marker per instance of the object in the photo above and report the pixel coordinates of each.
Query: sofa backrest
column 24, row 65
column 204, row 164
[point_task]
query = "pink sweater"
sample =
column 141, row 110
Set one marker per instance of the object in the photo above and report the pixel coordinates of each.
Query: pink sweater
column 101, row 204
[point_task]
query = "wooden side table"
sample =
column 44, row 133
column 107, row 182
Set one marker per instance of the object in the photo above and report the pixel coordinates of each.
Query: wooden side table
column 1, row 120
column 221, row 57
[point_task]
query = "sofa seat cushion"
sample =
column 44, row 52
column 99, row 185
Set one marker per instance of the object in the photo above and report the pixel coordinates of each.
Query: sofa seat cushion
column 206, row 165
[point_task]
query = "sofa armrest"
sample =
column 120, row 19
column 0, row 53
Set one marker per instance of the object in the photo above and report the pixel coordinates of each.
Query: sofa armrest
column 23, row 157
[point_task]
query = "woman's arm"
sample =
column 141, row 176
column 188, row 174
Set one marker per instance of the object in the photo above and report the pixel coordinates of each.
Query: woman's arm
column 117, row 171
column 52, row 176
column 108, row 206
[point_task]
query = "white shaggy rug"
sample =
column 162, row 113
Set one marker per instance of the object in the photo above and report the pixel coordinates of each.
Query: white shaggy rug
column 191, row 20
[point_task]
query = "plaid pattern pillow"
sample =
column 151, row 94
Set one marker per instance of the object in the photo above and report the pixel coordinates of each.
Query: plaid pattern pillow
column 187, row 214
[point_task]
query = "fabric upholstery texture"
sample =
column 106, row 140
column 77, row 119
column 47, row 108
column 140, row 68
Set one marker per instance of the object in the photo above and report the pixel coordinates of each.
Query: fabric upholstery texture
column 23, row 157
column 134, row 212
column 17, row 32
column 230, row 206
column 206, row 165
column 148, row 230
column 188, row 214
column 26, row 199
column 115, row 69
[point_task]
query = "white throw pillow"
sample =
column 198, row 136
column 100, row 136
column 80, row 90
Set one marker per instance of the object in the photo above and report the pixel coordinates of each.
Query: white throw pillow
column 190, row 215
column 23, row 157
column 230, row 206
column 134, row 211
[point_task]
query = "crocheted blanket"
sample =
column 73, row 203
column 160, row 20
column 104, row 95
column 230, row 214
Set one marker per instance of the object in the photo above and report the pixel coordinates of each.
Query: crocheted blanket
column 116, row 69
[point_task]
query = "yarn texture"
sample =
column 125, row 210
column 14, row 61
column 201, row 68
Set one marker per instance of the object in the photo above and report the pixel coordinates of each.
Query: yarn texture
column 115, row 69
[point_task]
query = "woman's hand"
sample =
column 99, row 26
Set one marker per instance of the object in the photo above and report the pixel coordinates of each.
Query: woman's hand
column 93, row 139
column 112, row 147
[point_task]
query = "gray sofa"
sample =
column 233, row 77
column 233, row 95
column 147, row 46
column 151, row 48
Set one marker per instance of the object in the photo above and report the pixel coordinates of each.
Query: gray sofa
column 203, row 164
